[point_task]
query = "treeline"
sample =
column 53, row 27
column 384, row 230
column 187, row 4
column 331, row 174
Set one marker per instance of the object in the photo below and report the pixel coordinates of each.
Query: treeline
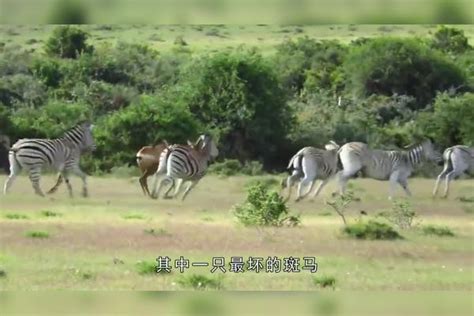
column 388, row 92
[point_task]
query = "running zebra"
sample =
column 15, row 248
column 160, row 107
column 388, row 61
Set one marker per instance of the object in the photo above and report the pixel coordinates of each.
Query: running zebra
column 62, row 154
column 457, row 160
column 310, row 164
column 184, row 163
column 395, row 166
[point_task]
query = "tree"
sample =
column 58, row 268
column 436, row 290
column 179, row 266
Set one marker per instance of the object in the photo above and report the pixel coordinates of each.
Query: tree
column 67, row 42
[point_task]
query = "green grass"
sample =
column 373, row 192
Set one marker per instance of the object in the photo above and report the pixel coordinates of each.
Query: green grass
column 37, row 234
column 133, row 216
column 15, row 216
column 94, row 233
column 213, row 37
column 47, row 213
column 200, row 282
column 371, row 230
column 325, row 281
column 439, row 231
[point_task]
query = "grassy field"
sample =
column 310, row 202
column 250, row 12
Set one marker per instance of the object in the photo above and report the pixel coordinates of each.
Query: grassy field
column 217, row 37
column 110, row 240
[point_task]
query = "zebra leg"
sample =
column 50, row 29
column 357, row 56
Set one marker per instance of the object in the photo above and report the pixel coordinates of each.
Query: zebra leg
column 438, row 180
column 393, row 182
column 65, row 175
column 59, row 181
column 290, row 181
column 451, row 175
column 35, row 175
column 78, row 172
column 15, row 170
column 167, row 196
column 157, row 190
column 404, row 184
column 305, row 183
column 178, row 188
column 319, row 188
column 191, row 185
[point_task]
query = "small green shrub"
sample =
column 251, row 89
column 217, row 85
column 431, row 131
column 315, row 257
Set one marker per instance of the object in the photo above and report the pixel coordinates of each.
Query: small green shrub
column 67, row 42
column 147, row 268
column 37, row 234
column 340, row 204
column 47, row 213
column 15, row 216
column 401, row 214
column 263, row 208
column 466, row 199
column 371, row 230
column 232, row 167
column 267, row 182
column 3, row 273
column 325, row 281
column 133, row 216
column 440, row 231
column 85, row 275
column 200, row 282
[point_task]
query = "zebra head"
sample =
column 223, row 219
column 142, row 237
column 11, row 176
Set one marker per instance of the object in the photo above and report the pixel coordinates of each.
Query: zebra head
column 427, row 149
column 207, row 145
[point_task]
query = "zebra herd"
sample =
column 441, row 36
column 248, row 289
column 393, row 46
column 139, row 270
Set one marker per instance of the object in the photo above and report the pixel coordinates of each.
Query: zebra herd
column 176, row 164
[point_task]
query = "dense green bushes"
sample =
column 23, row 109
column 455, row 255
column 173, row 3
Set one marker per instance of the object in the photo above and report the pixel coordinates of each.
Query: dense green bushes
column 388, row 92
column 390, row 66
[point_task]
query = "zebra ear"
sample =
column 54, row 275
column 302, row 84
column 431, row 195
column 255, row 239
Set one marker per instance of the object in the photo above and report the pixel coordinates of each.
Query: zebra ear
column 190, row 143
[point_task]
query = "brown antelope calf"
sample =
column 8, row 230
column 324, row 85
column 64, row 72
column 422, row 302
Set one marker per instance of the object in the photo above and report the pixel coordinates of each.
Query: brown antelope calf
column 148, row 158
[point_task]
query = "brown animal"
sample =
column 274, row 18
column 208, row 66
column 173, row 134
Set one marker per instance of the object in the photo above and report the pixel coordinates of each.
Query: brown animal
column 148, row 158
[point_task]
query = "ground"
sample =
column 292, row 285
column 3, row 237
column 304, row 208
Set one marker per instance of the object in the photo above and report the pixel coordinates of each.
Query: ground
column 218, row 37
column 98, row 242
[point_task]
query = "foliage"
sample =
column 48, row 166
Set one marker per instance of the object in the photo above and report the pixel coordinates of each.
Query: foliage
column 48, row 71
column 325, row 281
column 22, row 90
column 37, row 234
column 451, row 121
column 371, row 230
column 450, row 40
column 401, row 214
column 232, row 167
column 440, row 231
column 263, row 208
column 200, row 282
column 390, row 66
column 67, row 42
column 47, row 213
column 238, row 95
column 340, row 203
column 148, row 268
column 311, row 64
column 15, row 216
column 120, row 135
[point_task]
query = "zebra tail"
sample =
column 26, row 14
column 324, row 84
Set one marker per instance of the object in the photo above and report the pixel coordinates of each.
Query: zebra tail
column 14, row 151
column 295, row 161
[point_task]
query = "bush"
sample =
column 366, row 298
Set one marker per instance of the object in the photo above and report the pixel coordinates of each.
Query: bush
column 390, row 66
column 67, row 42
column 451, row 122
column 37, row 234
column 371, row 230
column 14, row 60
column 325, row 281
column 22, row 90
column 232, row 167
column 450, row 40
column 148, row 268
column 263, row 208
column 47, row 213
column 200, row 282
column 48, row 71
column 121, row 134
column 50, row 120
column 401, row 214
column 440, row 231
column 15, row 216
column 237, row 94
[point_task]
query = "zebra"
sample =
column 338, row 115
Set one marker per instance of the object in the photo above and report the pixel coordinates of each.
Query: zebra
column 185, row 163
column 395, row 166
column 62, row 154
column 310, row 164
column 457, row 160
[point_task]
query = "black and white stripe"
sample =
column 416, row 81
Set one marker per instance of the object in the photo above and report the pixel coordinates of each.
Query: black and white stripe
column 310, row 164
column 395, row 166
column 184, row 163
column 458, row 159
column 61, row 154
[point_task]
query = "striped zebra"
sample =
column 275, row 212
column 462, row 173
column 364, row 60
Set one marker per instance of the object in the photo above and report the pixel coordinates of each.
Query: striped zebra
column 185, row 164
column 61, row 154
column 310, row 164
column 395, row 166
column 457, row 160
